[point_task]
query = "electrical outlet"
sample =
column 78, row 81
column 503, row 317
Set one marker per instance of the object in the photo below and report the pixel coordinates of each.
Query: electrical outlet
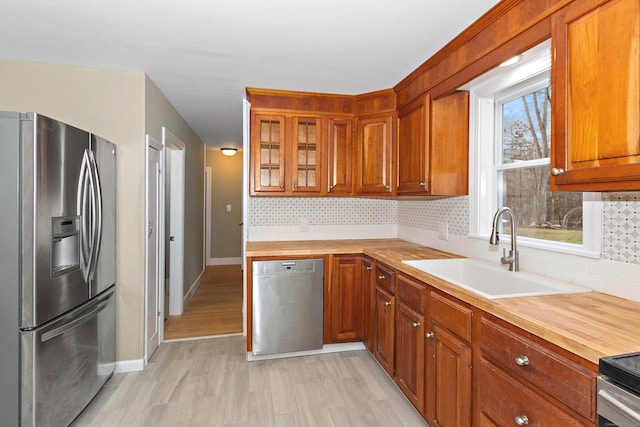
column 228, row 208
column 443, row 231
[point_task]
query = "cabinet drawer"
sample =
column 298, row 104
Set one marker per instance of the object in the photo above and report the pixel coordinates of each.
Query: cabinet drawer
column 453, row 316
column 386, row 278
column 565, row 380
column 412, row 293
column 506, row 402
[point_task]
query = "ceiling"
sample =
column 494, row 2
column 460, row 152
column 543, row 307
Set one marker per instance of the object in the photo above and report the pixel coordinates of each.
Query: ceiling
column 203, row 53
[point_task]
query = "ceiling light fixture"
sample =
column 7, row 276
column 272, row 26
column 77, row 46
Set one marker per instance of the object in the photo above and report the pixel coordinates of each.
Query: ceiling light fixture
column 229, row 151
column 511, row 61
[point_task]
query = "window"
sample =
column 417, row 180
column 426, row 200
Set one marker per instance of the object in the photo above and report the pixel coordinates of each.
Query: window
column 511, row 115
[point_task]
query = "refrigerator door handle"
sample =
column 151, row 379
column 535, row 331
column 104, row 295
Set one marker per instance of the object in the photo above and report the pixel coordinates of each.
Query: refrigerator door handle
column 82, row 211
column 96, row 216
column 67, row 327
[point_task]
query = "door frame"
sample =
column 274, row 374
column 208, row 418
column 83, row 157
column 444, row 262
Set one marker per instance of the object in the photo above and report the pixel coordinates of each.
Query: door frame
column 175, row 156
column 207, row 214
column 153, row 144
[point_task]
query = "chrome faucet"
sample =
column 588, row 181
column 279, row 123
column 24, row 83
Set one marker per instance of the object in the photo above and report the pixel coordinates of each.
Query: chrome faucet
column 513, row 259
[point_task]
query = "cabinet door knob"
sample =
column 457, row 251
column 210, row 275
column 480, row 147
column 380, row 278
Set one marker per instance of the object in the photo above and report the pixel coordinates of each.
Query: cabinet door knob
column 522, row 420
column 415, row 324
column 388, row 187
column 522, row 360
column 429, row 335
column 422, row 184
column 381, row 277
column 295, row 185
column 387, row 303
column 557, row 171
column 368, row 268
column 281, row 185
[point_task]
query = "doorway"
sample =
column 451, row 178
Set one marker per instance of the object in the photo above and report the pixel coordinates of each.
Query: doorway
column 216, row 305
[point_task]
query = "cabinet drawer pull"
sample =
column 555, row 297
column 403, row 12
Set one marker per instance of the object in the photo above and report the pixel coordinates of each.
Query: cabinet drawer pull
column 368, row 268
column 381, row 277
column 388, row 187
column 522, row 361
column 387, row 303
column 429, row 335
column 415, row 324
column 557, row 171
column 422, row 184
column 522, row 420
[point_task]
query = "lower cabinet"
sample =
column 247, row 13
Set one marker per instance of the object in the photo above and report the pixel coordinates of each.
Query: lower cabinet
column 448, row 379
column 410, row 355
column 448, row 362
column 411, row 301
column 384, row 329
column 544, row 387
column 384, row 316
column 345, row 299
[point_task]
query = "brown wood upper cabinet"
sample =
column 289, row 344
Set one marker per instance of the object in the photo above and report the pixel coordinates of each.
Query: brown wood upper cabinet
column 375, row 155
column 596, row 96
column 340, row 155
column 268, row 152
column 287, row 154
column 433, row 146
column 413, row 146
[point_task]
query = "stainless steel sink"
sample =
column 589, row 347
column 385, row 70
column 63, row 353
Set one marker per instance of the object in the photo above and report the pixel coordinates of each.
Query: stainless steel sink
column 493, row 282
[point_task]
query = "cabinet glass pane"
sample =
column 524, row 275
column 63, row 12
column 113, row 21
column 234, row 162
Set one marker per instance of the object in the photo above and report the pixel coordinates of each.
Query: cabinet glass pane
column 270, row 153
column 307, row 178
column 306, row 152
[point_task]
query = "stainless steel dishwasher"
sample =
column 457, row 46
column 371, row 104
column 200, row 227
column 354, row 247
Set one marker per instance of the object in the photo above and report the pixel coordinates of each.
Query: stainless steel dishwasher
column 287, row 306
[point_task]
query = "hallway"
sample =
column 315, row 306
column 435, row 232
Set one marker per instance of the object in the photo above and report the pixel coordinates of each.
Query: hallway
column 215, row 309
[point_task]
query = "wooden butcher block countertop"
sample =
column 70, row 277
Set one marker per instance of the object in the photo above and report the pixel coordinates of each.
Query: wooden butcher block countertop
column 591, row 324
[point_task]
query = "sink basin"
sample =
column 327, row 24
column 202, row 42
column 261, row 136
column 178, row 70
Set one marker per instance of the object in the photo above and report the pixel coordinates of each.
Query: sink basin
column 492, row 281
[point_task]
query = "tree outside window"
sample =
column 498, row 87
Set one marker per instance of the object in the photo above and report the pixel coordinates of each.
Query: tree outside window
column 522, row 168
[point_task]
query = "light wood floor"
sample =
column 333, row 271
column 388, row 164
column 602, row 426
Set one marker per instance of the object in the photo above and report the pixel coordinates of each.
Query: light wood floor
column 208, row 382
column 215, row 309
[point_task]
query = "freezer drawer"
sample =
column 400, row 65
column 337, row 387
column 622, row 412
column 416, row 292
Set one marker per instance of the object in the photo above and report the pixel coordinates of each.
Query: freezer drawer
column 65, row 362
column 287, row 306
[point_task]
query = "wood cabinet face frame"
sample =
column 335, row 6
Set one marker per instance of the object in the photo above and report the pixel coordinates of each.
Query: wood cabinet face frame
column 368, row 302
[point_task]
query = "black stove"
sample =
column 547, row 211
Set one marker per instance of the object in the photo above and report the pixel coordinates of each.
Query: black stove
column 623, row 369
column 619, row 391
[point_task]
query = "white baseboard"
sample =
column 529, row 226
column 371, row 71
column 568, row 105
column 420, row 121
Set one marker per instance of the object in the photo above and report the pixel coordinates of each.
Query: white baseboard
column 327, row 348
column 224, row 261
column 129, row 366
column 192, row 290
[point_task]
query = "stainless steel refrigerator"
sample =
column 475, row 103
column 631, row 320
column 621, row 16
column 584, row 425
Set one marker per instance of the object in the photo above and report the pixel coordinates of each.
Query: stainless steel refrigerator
column 57, row 269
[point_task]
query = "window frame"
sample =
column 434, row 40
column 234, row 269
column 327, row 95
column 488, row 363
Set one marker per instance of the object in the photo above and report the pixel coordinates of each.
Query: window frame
column 531, row 73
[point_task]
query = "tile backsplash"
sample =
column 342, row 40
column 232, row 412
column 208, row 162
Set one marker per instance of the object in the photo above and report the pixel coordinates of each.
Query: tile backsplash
column 428, row 214
column 290, row 211
column 620, row 216
column 621, row 227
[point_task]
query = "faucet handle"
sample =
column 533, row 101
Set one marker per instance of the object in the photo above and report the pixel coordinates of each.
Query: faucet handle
column 506, row 259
